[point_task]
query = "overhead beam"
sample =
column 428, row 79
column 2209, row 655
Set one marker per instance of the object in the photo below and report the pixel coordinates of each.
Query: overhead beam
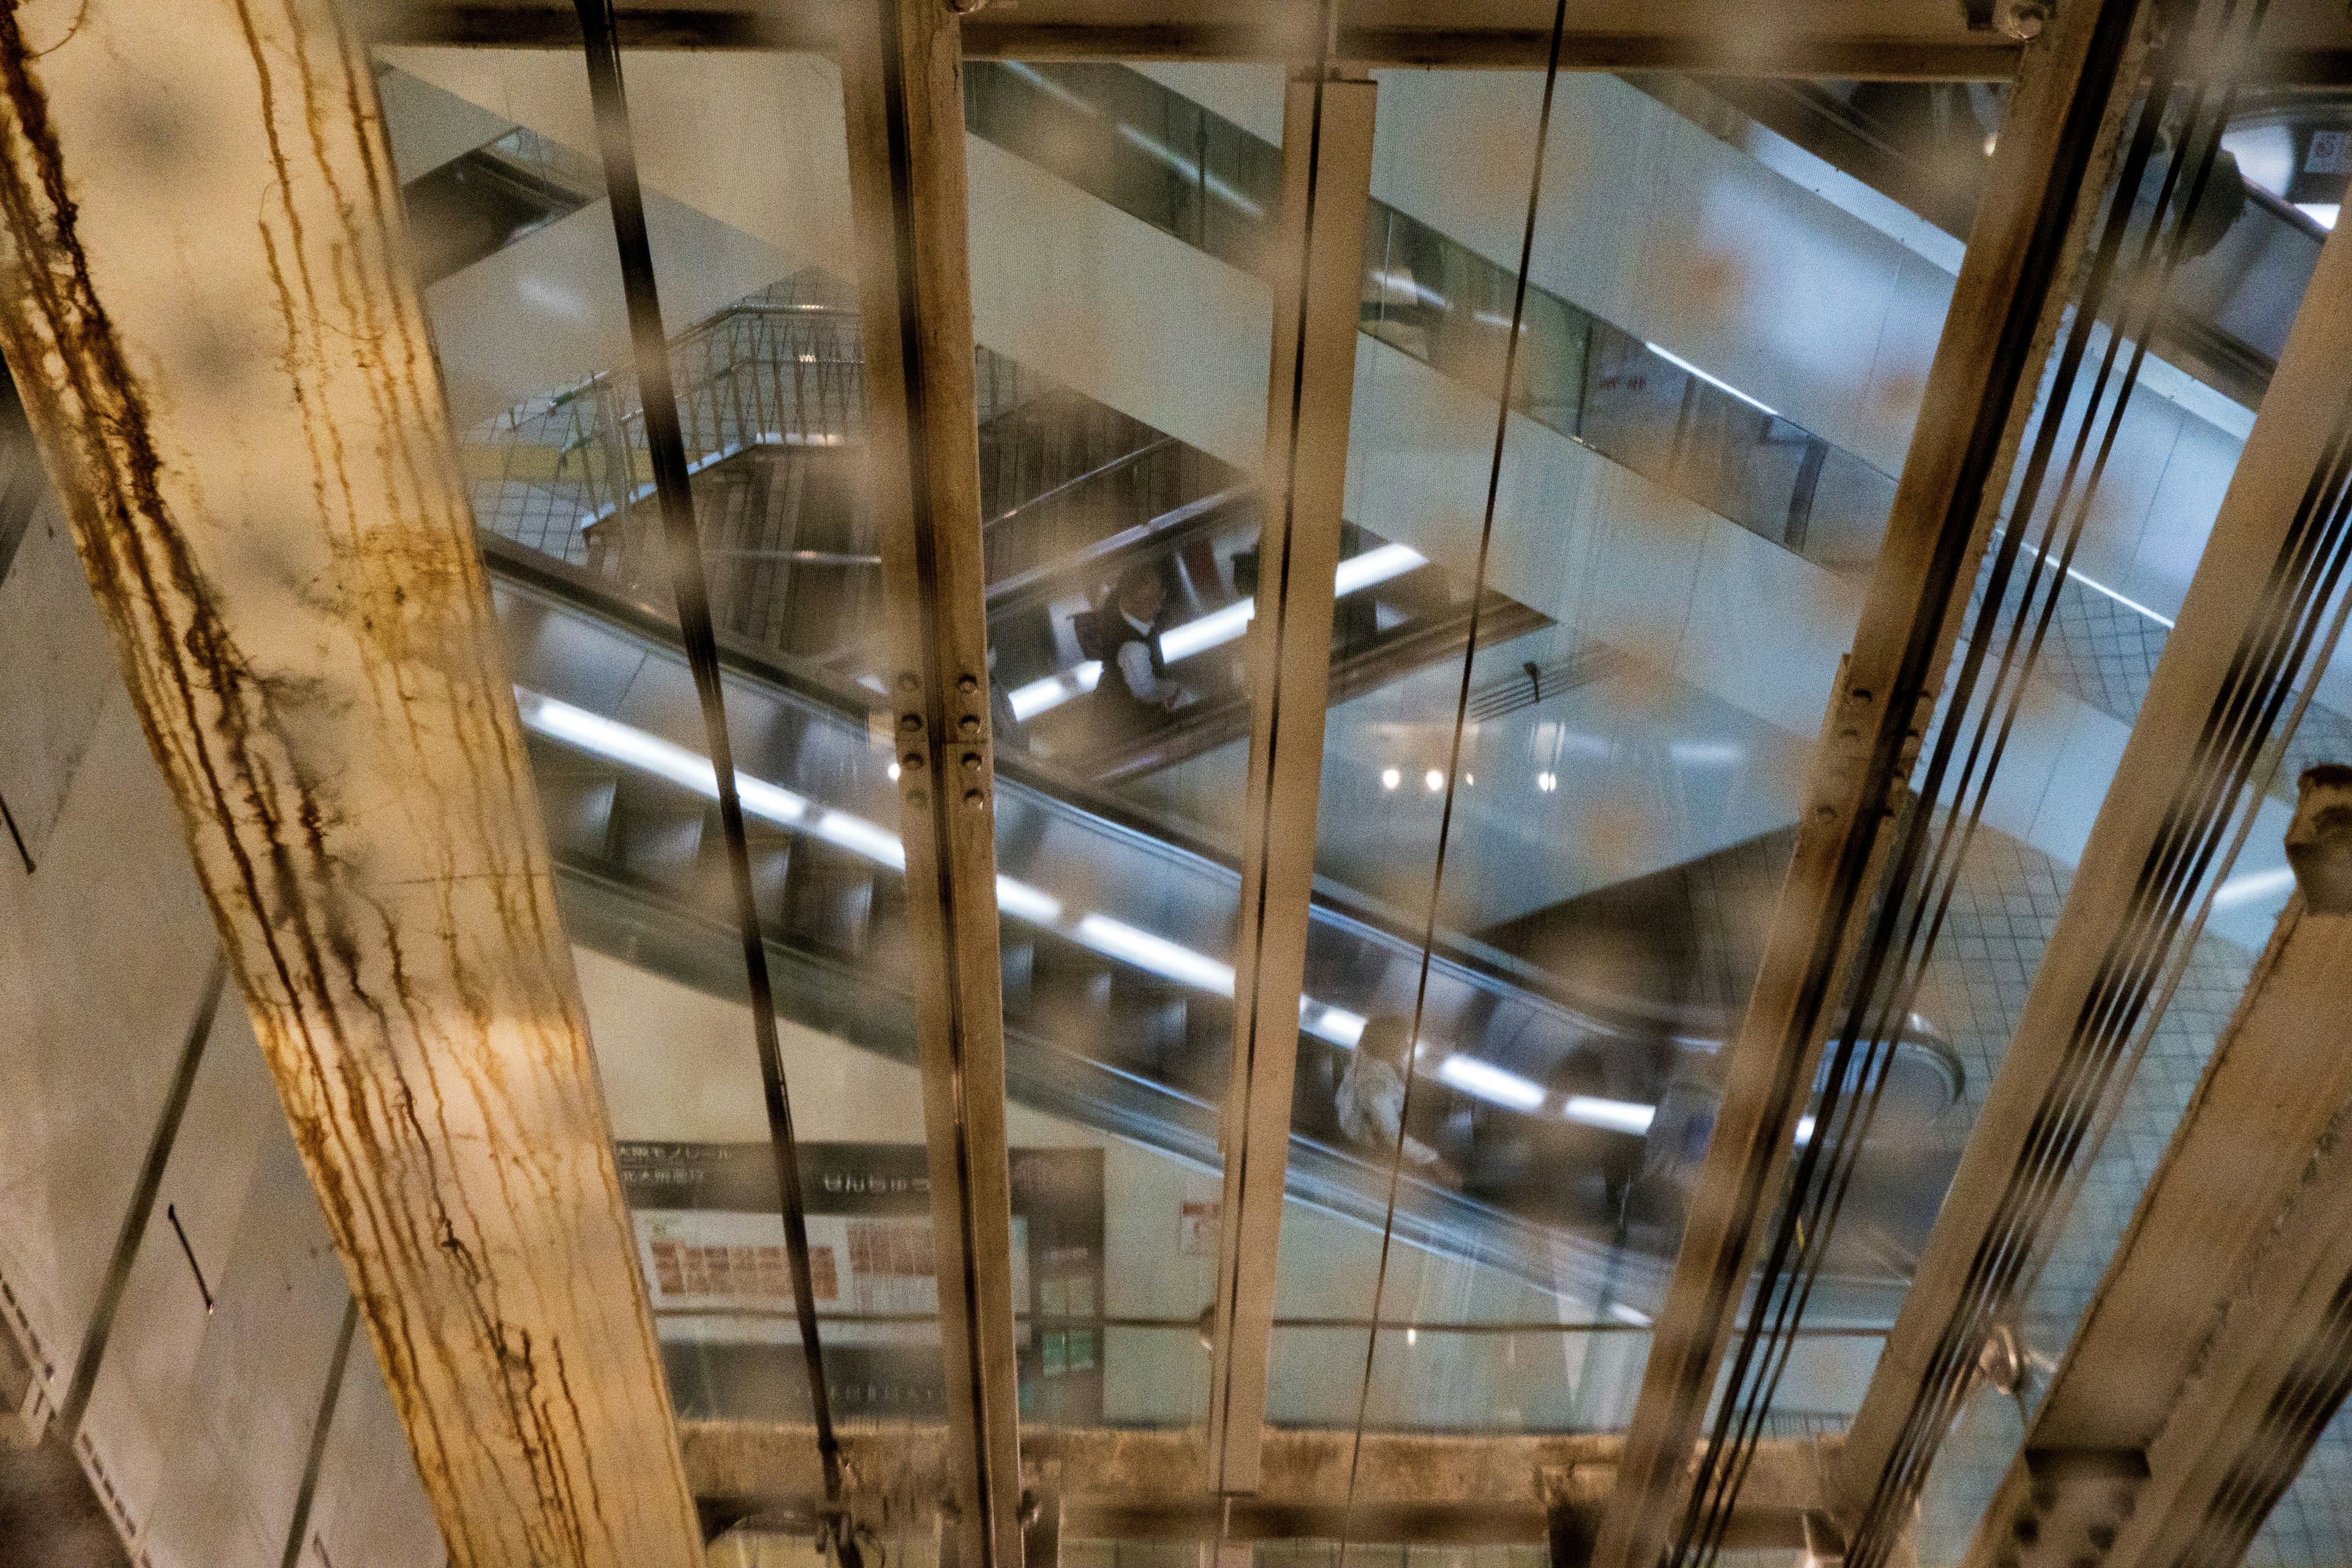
column 1460, row 1489
column 2220, row 1342
column 1689, row 41
column 1327, row 171
column 903, row 92
column 2005, row 310
column 232, row 380
column 2225, row 670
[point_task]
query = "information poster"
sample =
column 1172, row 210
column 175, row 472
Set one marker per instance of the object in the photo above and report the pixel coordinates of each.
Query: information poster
column 711, row 1245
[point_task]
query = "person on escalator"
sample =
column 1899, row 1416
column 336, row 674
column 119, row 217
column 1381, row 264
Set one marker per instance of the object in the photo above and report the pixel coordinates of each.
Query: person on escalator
column 1123, row 634
column 1371, row 1101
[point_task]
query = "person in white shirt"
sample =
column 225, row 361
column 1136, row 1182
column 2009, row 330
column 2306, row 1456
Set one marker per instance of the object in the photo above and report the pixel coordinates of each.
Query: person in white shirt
column 1137, row 604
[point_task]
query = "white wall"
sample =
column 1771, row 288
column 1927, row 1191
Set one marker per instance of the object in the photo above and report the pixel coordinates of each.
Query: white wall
column 199, row 1423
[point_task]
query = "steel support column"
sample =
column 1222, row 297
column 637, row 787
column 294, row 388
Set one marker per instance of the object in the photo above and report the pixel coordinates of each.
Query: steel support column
column 2281, row 533
column 203, row 299
column 2006, row 304
column 903, row 85
column 1325, row 187
column 2221, row 1340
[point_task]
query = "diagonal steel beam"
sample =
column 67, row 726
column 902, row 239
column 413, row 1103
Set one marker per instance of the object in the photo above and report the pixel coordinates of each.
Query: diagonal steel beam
column 903, row 85
column 2219, row 1343
column 2058, row 131
column 2279, row 546
column 232, row 380
column 1327, row 171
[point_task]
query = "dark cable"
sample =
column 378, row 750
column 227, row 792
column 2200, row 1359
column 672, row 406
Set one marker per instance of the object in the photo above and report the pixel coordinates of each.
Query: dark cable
column 1848, row 1110
column 1461, row 716
column 671, row 487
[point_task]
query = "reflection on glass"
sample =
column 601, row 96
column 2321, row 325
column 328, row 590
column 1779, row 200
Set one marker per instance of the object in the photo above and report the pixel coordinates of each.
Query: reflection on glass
column 1121, row 136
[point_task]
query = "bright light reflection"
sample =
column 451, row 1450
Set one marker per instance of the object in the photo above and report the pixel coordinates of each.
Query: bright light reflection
column 1391, row 778
column 1028, row 701
column 1719, row 384
column 1214, row 629
column 1610, row 1115
column 1433, row 780
column 1491, row 1083
column 1170, row 960
column 1025, row 902
column 2251, row 887
column 634, row 748
column 1355, row 574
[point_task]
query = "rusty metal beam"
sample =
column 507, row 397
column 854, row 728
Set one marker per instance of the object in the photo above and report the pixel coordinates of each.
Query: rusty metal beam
column 1455, row 1489
column 234, row 386
column 1327, row 174
column 2281, row 535
column 2059, row 128
column 2221, row 1340
column 1687, row 40
column 902, row 82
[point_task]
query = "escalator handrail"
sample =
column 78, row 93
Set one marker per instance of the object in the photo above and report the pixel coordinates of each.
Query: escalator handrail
column 575, row 588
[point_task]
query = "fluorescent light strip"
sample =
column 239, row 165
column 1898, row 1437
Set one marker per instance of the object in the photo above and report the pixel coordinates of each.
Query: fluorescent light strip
column 1491, row 1083
column 1354, row 575
column 1212, row 630
column 2248, row 886
column 1717, row 382
column 1032, row 904
column 1049, row 87
column 633, row 748
column 2164, row 621
column 1189, row 170
column 1373, row 567
column 1038, row 696
column 1610, row 1115
column 1157, row 953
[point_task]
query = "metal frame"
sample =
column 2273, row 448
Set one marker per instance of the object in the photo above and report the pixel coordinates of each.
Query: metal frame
column 1460, row 1489
column 666, row 449
column 902, row 85
column 2042, row 1104
column 2004, row 313
column 272, row 517
column 1611, row 38
column 1327, row 189
column 2221, row 1340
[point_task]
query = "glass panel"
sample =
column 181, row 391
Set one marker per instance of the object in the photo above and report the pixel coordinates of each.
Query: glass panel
column 1686, row 544
column 1118, row 919
column 2313, row 1521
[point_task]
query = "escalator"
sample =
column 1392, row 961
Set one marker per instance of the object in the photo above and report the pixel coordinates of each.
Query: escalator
column 1075, row 499
column 1569, row 1120
column 1117, row 952
column 2252, row 244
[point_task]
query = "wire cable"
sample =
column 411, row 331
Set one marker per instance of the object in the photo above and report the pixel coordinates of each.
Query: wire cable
column 650, row 347
column 1453, row 751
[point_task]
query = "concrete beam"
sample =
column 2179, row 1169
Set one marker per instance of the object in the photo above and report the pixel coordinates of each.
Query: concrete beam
column 2059, row 129
column 243, row 416
column 2220, row 1342
column 902, row 83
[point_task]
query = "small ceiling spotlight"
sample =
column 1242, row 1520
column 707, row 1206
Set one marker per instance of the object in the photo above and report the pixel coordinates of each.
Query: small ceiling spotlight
column 1433, row 780
column 1546, row 781
column 1391, row 778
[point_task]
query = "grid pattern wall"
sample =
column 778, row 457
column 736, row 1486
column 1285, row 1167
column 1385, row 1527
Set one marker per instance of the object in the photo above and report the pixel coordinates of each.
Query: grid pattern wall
column 2312, row 1524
